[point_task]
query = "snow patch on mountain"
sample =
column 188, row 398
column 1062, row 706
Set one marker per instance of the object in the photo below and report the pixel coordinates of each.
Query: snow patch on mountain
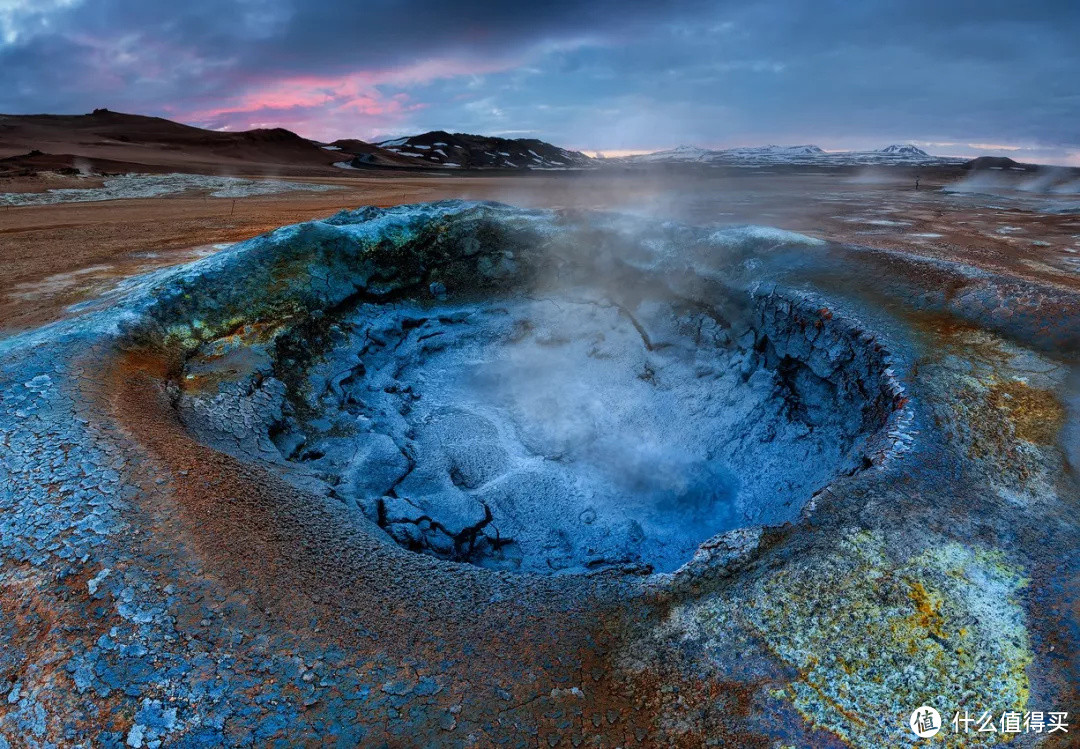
column 809, row 154
column 462, row 150
column 902, row 150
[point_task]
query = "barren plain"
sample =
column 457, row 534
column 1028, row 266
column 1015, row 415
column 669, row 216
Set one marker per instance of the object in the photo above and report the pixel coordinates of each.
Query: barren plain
column 196, row 552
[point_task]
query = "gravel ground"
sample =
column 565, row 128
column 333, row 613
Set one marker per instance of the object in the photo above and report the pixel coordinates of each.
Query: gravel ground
column 160, row 589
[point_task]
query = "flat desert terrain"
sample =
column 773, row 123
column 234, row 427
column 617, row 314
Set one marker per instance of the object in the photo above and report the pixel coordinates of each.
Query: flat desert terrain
column 60, row 254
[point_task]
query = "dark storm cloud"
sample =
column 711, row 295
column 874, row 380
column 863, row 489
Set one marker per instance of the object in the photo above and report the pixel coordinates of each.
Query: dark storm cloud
column 601, row 74
column 261, row 38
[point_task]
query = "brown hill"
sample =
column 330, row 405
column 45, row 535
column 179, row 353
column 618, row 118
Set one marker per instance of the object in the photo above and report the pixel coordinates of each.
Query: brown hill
column 998, row 162
column 112, row 141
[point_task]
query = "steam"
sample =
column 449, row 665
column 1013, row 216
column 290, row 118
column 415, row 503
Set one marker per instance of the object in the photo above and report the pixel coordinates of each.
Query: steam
column 154, row 185
column 1046, row 181
column 620, row 399
column 84, row 166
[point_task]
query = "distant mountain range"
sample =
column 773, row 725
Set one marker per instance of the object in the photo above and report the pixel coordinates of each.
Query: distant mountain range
column 445, row 150
column 111, row 142
column 779, row 155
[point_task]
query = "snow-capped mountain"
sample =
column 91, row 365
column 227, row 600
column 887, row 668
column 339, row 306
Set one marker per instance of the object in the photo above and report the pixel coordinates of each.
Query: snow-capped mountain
column 694, row 154
column 682, row 153
column 767, row 155
column 902, row 150
column 772, row 152
column 464, row 151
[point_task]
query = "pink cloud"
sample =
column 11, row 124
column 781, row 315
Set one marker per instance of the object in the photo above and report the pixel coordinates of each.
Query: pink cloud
column 329, row 107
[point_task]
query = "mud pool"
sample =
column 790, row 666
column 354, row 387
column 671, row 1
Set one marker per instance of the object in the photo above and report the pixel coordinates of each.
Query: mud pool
column 557, row 423
column 462, row 474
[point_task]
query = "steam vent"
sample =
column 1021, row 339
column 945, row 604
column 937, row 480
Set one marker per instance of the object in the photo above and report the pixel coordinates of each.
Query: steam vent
column 463, row 474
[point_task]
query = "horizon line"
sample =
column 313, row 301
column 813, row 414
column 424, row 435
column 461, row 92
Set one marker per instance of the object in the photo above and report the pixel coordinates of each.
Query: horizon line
column 991, row 149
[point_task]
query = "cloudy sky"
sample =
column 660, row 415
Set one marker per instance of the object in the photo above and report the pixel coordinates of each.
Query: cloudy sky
column 963, row 77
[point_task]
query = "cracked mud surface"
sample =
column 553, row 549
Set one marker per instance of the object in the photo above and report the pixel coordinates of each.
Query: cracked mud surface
column 192, row 555
column 552, row 434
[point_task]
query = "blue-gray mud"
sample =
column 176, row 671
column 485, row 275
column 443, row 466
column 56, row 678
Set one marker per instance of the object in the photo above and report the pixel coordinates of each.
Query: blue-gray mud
column 668, row 486
column 549, row 398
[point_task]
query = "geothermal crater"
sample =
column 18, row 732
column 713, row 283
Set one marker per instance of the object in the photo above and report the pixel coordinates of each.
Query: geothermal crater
column 543, row 397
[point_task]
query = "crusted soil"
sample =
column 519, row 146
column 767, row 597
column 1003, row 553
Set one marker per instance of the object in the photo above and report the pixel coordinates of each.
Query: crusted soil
column 195, row 580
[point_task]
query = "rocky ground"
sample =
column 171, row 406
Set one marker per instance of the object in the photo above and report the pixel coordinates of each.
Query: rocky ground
column 176, row 572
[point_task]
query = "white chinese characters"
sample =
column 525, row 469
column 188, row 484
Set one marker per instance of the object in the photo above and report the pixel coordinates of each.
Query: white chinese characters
column 1010, row 721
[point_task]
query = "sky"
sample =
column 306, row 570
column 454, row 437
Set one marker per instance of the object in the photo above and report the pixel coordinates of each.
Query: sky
column 957, row 77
